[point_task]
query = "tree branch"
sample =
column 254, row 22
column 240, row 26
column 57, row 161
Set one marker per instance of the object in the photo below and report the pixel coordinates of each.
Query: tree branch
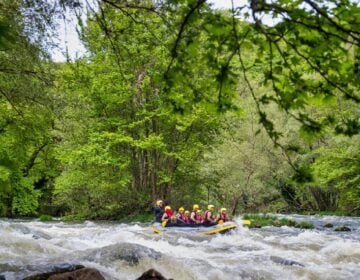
column 181, row 30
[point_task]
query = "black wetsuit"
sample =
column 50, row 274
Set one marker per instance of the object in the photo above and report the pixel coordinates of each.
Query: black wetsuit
column 158, row 211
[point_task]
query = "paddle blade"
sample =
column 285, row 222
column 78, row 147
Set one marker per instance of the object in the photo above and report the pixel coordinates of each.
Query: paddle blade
column 246, row 222
column 220, row 222
column 163, row 224
column 155, row 230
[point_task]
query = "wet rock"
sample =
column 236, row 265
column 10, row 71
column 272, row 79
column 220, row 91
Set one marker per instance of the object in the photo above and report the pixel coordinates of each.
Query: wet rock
column 39, row 234
column 66, row 267
column 25, row 230
column 256, row 224
column 56, row 269
column 80, row 274
column 342, row 228
column 8, row 267
column 128, row 252
column 2, row 277
column 20, row 227
column 152, row 274
column 328, row 225
column 283, row 261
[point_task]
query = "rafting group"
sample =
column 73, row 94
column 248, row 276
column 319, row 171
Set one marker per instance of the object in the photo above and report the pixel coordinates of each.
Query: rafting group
column 183, row 218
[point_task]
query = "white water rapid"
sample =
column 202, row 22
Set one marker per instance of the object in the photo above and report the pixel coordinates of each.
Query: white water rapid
column 125, row 251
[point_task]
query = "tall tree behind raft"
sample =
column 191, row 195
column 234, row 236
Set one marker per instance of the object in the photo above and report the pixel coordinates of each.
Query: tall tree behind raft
column 124, row 143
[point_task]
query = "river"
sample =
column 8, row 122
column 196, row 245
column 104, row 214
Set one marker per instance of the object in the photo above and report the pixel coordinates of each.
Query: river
column 125, row 251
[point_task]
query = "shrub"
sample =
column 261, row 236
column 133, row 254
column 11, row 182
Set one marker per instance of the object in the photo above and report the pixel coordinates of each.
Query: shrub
column 304, row 225
column 46, row 218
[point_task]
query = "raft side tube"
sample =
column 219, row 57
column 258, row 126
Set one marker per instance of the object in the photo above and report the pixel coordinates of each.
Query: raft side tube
column 207, row 230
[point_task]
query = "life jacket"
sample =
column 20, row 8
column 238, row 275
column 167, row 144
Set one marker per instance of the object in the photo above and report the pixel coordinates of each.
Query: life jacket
column 166, row 217
column 181, row 217
column 205, row 216
column 187, row 219
column 168, row 214
column 198, row 217
column 191, row 221
column 224, row 217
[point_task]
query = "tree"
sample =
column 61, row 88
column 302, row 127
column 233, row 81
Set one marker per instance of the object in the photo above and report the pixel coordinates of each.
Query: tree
column 309, row 56
column 26, row 117
column 123, row 146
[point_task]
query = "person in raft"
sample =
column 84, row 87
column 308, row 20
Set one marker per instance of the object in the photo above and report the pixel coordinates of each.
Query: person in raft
column 223, row 216
column 180, row 216
column 173, row 218
column 158, row 211
column 193, row 215
column 187, row 217
column 199, row 217
column 168, row 214
column 209, row 218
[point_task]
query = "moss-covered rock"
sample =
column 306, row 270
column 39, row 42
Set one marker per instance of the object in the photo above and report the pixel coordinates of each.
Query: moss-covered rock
column 291, row 223
column 305, row 225
column 328, row 225
column 261, row 220
column 255, row 224
column 342, row 228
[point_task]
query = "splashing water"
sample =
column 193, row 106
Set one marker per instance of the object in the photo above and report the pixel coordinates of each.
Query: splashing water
column 125, row 251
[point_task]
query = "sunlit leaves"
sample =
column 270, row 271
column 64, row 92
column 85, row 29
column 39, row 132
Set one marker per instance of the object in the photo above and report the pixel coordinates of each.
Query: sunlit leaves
column 337, row 166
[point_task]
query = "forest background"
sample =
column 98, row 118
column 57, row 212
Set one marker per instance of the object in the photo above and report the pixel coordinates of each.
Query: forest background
column 177, row 101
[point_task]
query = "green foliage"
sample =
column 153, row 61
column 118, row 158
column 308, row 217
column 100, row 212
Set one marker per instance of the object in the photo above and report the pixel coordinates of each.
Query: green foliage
column 305, row 225
column 242, row 169
column 337, row 166
column 141, row 218
column 261, row 220
column 25, row 200
column 74, row 218
column 46, row 218
column 175, row 100
column 25, row 115
column 122, row 144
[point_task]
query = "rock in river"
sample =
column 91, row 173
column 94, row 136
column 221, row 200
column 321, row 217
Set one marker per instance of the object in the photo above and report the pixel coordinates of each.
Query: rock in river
column 128, row 252
column 54, row 270
column 342, row 228
column 80, row 274
column 283, row 261
column 152, row 274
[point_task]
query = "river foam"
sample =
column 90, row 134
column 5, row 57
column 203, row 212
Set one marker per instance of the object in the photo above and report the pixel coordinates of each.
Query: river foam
column 125, row 251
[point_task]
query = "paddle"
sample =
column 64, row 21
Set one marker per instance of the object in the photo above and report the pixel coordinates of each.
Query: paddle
column 245, row 222
column 163, row 223
column 155, row 230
